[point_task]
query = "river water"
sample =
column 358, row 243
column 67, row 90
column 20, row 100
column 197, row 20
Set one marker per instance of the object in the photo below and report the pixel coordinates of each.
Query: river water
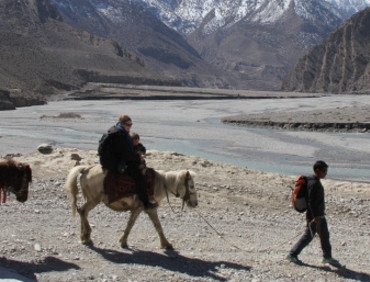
column 194, row 128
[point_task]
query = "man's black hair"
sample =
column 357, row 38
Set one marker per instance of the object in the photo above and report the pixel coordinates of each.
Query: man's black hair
column 320, row 165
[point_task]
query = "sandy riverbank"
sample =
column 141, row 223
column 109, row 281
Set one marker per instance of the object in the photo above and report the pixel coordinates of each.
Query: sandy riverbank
column 108, row 91
column 352, row 118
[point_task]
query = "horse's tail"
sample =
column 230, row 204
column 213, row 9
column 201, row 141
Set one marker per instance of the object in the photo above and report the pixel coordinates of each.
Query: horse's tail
column 72, row 187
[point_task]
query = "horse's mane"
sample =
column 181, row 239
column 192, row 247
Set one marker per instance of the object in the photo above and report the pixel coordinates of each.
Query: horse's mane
column 175, row 177
column 165, row 179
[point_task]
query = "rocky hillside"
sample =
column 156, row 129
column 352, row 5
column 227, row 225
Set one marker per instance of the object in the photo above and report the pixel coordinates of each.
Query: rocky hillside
column 161, row 48
column 341, row 64
column 40, row 54
column 228, row 44
column 256, row 41
column 187, row 16
column 52, row 45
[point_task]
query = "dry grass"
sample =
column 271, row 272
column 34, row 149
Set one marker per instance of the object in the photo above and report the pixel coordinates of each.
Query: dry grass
column 67, row 115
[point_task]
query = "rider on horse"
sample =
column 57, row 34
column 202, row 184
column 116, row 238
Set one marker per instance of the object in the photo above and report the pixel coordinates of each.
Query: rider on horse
column 117, row 155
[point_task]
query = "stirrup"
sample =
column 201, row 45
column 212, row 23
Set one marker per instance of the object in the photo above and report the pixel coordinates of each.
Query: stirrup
column 150, row 205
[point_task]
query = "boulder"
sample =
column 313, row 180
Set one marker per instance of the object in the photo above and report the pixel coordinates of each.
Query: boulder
column 45, row 149
column 5, row 101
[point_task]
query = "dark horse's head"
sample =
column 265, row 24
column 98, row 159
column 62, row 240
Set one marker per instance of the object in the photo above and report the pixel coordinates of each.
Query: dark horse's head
column 15, row 177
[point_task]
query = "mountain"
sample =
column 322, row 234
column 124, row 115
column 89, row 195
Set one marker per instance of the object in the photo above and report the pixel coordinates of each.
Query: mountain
column 187, row 16
column 341, row 64
column 52, row 45
column 256, row 41
column 350, row 7
column 131, row 24
column 40, row 54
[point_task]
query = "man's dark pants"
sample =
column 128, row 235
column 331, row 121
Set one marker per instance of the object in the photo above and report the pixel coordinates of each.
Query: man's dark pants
column 308, row 235
column 141, row 184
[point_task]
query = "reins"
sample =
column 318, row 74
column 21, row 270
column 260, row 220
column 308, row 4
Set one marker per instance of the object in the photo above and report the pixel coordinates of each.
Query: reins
column 168, row 200
column 187, row 196
column 218, row 233
column 3, row 195
column 245, row 250
column 236, row 247
column 177, row 194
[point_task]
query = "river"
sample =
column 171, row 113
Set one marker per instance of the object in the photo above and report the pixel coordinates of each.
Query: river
column 194, row 128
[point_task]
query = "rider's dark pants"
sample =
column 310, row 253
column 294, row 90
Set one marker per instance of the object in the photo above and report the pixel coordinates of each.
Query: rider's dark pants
column 141, row 184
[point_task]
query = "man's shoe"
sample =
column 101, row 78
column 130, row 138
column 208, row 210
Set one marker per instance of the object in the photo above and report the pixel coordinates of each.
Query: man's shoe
column 332, row 262
column 294, row 259
column 150, row 205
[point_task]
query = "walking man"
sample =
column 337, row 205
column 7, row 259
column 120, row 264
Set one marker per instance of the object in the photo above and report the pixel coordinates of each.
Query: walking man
column 315, row 216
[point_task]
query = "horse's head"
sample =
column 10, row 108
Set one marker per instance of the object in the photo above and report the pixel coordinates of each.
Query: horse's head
column 21, row 179
column 186, row 190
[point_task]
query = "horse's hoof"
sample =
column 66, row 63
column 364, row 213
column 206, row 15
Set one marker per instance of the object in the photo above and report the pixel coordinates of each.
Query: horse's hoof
column 124, row 246
column 87, row 242
column 168, row 247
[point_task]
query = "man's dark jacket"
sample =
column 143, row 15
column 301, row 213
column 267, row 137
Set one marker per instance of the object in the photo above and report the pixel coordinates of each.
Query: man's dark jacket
column 316, row 198
column 118, row 151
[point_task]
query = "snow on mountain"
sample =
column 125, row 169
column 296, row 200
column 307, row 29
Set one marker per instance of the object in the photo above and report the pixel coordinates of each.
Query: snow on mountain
column 186, row 16
column 356, row 5
column 349, row 7
column 251, row 44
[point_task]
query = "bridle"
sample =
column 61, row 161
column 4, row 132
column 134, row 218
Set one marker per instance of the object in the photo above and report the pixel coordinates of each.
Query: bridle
column 3, row 194
column 186, row 197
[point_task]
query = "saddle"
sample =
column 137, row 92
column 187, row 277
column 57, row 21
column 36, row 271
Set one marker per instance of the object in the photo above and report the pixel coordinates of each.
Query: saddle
column 117, row 186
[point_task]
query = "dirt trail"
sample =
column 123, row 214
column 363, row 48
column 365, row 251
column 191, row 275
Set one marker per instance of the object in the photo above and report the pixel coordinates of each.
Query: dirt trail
column 250, row 209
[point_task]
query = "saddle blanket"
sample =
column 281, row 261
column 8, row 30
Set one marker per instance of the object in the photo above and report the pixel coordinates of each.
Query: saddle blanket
column 117, row 186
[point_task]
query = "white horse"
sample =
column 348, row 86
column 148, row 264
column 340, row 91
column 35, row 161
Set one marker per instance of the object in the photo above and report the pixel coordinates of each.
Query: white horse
column 178, row 183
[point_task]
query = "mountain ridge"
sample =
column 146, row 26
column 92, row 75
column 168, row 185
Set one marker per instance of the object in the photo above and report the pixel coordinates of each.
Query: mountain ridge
column 128, row 22
column 41, row 55
column 341, row 64
column 48, row 46
column 271, row 36
column 186, row 16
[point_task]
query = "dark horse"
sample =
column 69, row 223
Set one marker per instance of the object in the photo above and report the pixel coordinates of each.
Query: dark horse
column 15, row 177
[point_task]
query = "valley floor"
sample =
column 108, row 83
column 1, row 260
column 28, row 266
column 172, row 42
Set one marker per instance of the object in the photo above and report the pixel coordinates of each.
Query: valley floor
column 106, row 91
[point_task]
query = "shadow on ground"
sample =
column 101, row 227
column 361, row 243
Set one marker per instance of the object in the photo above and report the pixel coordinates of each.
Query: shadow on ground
column 173, row 261
column 342, row 272
column 29, row 269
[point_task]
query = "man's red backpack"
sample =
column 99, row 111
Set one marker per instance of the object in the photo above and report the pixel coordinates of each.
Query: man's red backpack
column 299, row 194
